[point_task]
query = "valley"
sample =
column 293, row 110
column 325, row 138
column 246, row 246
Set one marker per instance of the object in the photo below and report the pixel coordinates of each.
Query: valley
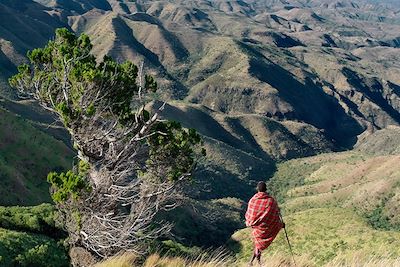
column 303, row 94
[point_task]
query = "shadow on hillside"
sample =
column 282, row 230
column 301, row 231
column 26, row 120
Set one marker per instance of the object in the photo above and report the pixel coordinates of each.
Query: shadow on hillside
column 373, row 89
column 126, row 39
column 248, row 138
column 81, row 7
column 206, row 125
column 395, row 88
column 27, row 18
column 198, row 224
column 215, row 182
column 310, row 103
column 39, row 118
column 177, row 47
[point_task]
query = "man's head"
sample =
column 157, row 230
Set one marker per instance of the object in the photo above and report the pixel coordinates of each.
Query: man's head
column 261, row 187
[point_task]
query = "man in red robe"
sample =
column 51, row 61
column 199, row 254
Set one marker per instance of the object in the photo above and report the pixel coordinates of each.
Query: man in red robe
column 263, row 217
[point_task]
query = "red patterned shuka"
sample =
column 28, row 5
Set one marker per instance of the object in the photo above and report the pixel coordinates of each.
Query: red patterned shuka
column 263, row 216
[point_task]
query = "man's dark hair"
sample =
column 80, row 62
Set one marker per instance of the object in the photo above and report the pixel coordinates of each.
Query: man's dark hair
column 261, row 187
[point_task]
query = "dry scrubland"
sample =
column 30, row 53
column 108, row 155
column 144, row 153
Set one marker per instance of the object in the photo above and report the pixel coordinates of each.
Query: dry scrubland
column 329, row 65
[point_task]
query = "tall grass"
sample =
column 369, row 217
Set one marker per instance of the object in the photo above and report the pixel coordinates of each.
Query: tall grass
column 124, row 260
column 218, row 258
column 223, row 260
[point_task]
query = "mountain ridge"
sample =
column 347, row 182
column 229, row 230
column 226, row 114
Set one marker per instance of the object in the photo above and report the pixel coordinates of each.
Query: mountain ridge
column 276, row 79
column 287, row 78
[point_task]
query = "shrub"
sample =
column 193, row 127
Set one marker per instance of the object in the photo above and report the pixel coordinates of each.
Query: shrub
column 23, row 249
column 36, row 219
column 48, row 254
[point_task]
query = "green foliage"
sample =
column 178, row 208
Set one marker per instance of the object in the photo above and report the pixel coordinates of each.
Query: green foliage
column 42, row 255
column 83, row 168
column 289, row 175
column 125, row 86
column 377, row 217
column 67, row 114
column 36, row 219
column 66, row 78
column 70, row 55
column 66, row 62
column 173, row 248
column 150, row 83
column 23, row 249
column 69, row 185
column 175, row 144
column 91, row 110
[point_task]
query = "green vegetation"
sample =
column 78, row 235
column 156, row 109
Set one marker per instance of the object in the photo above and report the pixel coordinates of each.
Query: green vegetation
column 132, row 157
column 335, row 206
column 23, row 249
column 27, row 156
column 290, row 175
column 323, row 234
column 36, row 219
column 29, row 237
column 67, row 61
column 176, row 144
column 378, row 217
column 68, row 185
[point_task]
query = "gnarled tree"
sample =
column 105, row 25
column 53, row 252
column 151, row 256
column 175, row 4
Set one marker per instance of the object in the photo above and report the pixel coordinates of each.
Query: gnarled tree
column 131, row 163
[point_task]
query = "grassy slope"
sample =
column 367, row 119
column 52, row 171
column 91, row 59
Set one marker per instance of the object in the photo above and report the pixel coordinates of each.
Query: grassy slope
column 26, row 156
column 367, row 183
column 322, row 234
column 239, row 153
column 28, row 235
column 336, row 206
column 36, row 243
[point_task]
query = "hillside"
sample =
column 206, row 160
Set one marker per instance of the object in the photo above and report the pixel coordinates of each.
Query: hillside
column 27, row 155
column 265, row 82
column 324, row 236
column 277, row 80
column 24, row 19
column 286, row 61
column 29, row 237
column 337, row 206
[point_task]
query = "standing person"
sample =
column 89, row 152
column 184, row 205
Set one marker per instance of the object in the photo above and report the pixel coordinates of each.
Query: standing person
column 263, row 217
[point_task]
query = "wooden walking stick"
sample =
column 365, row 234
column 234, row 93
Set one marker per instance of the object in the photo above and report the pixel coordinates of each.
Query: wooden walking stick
column 287, row 238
